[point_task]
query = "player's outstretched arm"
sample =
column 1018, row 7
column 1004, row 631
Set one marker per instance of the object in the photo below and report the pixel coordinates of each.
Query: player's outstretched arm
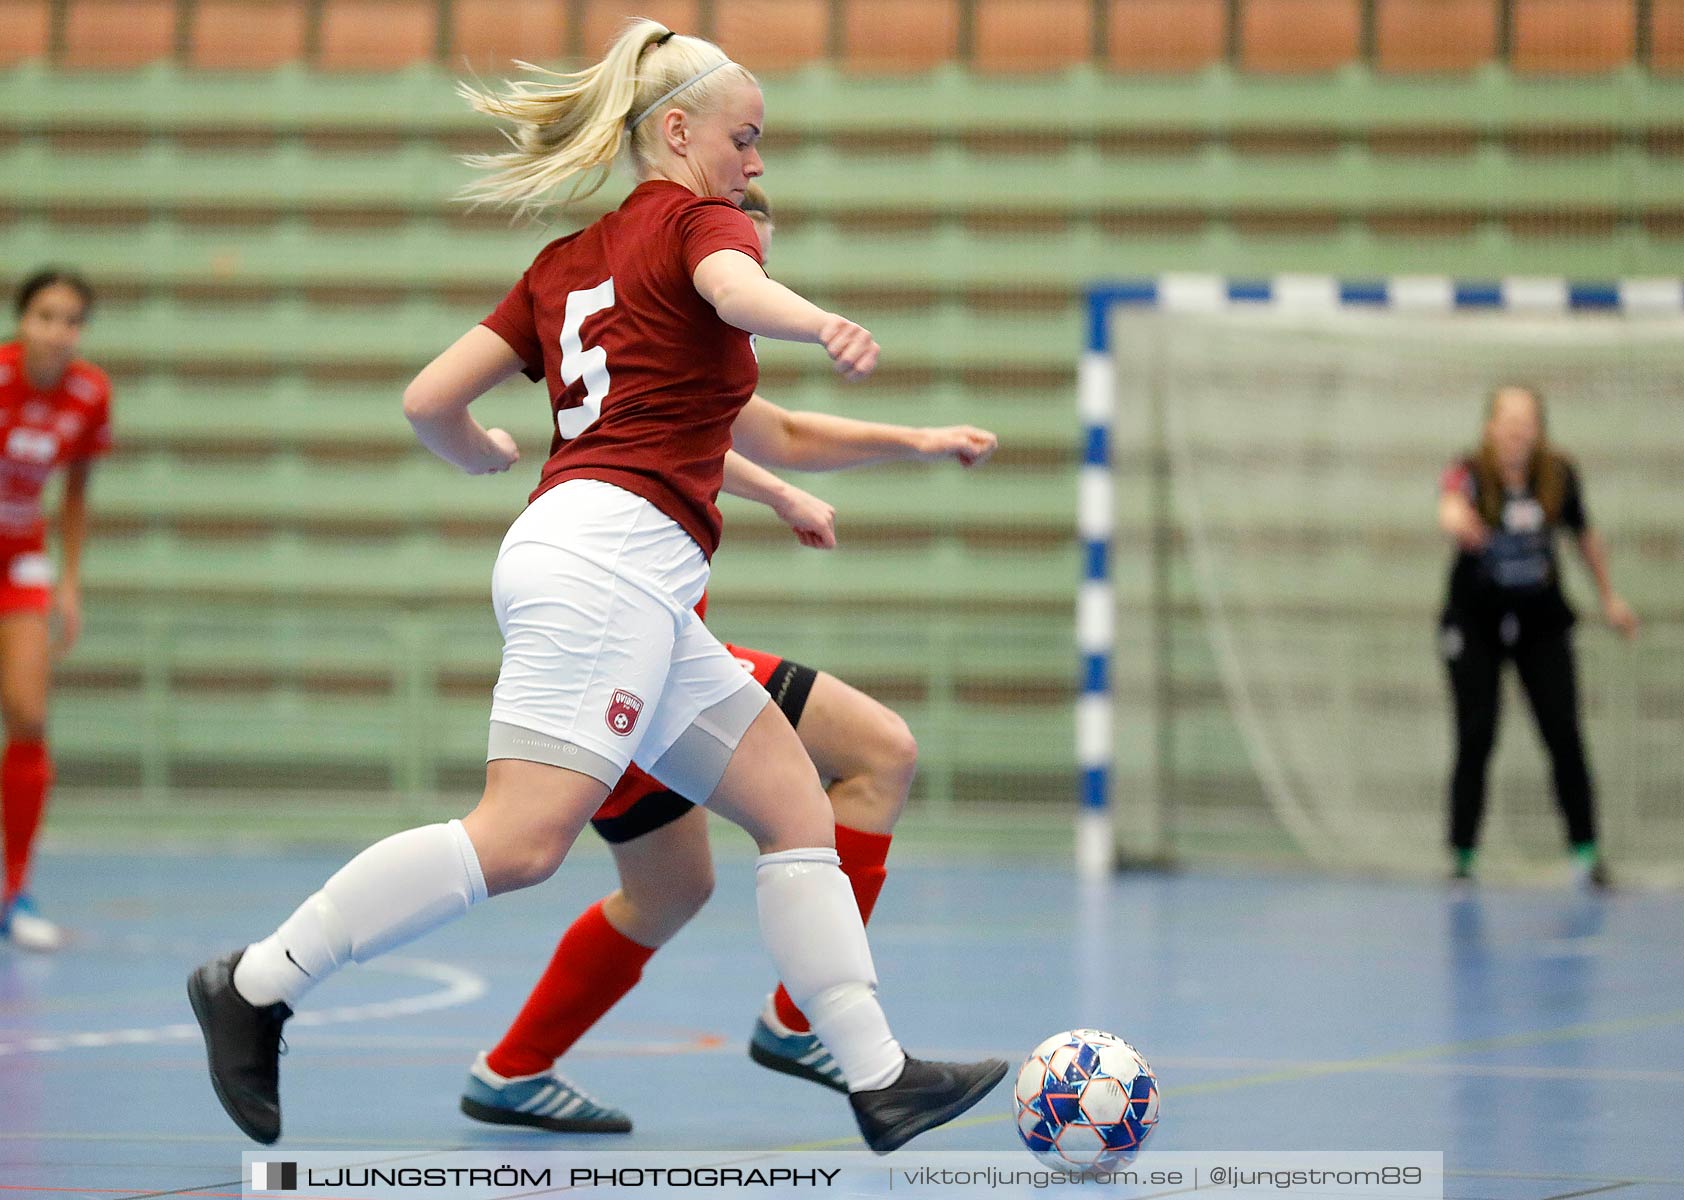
column 436, row 403
column 1460, row 521
column 813, row 521
column 809, row 441
column 742, row 295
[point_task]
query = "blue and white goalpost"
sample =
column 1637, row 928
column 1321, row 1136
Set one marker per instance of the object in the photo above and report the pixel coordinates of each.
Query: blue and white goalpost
column 1424, row 300
column 1096, row 625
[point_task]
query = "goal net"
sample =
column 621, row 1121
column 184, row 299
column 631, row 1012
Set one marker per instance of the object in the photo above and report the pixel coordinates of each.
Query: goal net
column 1288, row 639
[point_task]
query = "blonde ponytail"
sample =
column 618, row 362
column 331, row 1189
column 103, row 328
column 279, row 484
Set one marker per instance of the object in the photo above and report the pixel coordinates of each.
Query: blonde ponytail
column 574, row 125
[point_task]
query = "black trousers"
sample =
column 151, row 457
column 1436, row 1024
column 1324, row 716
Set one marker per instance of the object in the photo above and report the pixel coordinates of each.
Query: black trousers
column 1474, row 652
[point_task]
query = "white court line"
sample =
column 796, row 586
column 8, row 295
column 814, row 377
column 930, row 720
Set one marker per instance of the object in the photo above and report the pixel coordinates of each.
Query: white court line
column 698, row 1043
column 458, row 987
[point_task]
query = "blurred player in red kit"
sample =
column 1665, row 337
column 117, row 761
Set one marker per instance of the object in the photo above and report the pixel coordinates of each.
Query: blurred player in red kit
column 54, row 412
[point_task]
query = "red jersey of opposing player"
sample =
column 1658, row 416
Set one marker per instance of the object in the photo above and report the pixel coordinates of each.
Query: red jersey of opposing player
column 40, row 431
column 645, row 379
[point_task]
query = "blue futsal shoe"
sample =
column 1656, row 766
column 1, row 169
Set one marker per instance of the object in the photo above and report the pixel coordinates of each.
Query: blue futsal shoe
column 27, row 929
column 544, row 1101
column 799, row 1054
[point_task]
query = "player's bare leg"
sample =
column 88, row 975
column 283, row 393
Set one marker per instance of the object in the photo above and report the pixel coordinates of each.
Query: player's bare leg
column 870, row 756
column 771, row 790
column 666, row 875
column 391, row 893
column 527, row 820
column 811, row 925
column 864, row 748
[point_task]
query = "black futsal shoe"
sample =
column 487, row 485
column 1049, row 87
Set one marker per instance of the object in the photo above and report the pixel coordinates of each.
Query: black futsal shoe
column 243, row 1044
column 927, row 1094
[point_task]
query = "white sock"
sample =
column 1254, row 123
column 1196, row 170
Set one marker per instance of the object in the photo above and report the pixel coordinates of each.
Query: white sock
column 391, row 893
column 482, row 1069
column 811, row 926
column 769, row 1014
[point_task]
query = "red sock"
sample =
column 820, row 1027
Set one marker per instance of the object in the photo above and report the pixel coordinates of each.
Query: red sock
column 593, row 966
column 25, row 775
column 863, row 855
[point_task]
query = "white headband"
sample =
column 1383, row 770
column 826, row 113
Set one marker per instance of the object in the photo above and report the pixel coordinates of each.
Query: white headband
column 694, row 79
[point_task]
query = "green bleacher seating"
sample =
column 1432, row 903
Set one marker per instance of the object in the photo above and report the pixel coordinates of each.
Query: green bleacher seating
column 278, row 576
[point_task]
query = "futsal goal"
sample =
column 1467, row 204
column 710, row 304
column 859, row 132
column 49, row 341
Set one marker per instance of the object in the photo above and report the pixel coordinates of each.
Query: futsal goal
column 1263, row 570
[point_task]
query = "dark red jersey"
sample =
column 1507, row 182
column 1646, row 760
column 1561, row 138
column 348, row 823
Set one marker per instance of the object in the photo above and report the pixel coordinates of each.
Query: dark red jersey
column 40, row 431
column 644, row 377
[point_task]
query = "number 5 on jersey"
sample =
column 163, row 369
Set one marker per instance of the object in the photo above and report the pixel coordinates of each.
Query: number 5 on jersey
column 578, row 363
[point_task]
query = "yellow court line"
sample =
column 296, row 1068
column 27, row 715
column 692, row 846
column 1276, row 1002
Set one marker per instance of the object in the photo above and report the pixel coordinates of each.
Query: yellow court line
column 1540, row 1037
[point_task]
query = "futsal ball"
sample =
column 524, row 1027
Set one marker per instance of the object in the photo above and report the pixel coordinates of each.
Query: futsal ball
column 1086, row 1100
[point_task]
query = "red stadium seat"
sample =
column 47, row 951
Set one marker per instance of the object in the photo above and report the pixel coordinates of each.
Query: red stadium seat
column 1299, row 36
column 1166, row 35
column 378, row 35
column 25, row 27
column 1666, row 34
column 1033, row 35
column 1434, row 35
column 773, row 35
column 247, row 34
column 603, row 19
column 1573, row 37
column 899, row 35
column 488, row 34
column 118, row 33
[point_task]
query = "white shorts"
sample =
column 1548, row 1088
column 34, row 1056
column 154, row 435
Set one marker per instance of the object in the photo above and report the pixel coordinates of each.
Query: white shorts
column 604, row 659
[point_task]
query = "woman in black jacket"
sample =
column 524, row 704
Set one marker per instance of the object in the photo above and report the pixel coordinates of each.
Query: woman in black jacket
column 1502, row 506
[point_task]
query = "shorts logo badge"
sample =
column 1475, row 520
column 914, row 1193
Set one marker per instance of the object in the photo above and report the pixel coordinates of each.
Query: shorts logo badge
column 623, row 712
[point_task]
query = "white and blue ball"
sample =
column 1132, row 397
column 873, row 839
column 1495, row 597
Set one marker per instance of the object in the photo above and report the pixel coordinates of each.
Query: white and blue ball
column 1085, row 1099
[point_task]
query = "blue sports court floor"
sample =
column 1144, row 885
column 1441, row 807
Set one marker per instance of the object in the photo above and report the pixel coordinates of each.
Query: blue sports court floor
column 1535, row 1036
